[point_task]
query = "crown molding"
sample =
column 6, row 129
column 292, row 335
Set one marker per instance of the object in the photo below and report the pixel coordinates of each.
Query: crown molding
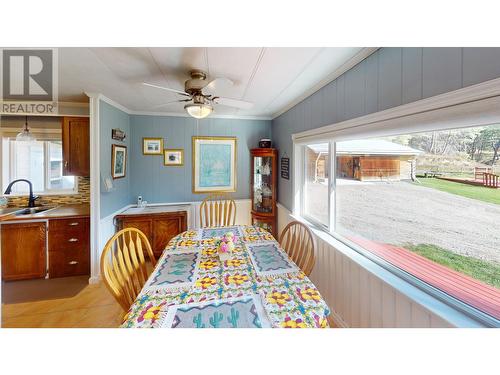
column 353, row 61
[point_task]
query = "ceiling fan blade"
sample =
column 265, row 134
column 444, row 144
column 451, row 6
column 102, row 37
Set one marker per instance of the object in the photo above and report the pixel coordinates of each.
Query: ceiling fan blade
column 233, row 103
column 172, row 102
column 167, row 89
column 215, row 84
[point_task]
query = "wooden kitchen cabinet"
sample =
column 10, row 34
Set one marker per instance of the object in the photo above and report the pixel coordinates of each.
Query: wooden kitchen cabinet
column 24, row 251
column 76, row 146
column 69, row 247
column 159, row 228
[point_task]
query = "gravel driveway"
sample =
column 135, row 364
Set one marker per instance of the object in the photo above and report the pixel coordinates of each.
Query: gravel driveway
column 401, row 212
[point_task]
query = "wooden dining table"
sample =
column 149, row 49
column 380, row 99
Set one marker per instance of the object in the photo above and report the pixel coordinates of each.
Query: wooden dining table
column 258, row 287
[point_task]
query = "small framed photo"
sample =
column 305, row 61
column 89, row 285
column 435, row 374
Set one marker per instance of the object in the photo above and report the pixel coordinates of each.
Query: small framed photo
column 152, row 146
column 173, row 157
column 118, row 161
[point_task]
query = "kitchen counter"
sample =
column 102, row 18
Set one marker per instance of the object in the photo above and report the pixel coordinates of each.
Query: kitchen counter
column 59, row 212
column 153, row 210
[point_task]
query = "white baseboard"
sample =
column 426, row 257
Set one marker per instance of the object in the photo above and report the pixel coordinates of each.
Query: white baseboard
column 95, row 279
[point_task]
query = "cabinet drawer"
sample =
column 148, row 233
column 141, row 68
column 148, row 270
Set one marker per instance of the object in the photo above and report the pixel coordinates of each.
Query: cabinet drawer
column 76, row 224
column 69, row 263
column 70, row 234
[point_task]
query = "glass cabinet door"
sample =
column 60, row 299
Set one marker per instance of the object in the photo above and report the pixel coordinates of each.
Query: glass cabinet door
column 262, row 184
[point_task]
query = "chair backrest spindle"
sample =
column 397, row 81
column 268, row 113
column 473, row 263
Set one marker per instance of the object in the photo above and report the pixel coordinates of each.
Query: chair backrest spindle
column 297, row 240
column 123, row 265
column 217, row 210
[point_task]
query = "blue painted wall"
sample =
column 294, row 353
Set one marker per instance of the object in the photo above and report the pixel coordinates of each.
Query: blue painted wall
column 388, row 78
column 110, row 118
column 158, row 183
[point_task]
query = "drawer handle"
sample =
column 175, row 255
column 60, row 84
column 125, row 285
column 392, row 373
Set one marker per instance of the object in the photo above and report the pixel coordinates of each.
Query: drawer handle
column 73, row 240
column 73, row 262
column 73, row 224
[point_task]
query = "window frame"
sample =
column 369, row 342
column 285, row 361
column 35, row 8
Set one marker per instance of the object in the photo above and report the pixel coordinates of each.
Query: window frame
column 46, row 172
column 298, row 211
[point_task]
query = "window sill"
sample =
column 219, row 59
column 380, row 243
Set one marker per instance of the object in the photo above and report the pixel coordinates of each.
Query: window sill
column 448, row 308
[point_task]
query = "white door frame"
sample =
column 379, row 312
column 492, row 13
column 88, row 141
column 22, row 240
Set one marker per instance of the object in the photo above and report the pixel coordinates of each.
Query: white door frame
column 95, row 186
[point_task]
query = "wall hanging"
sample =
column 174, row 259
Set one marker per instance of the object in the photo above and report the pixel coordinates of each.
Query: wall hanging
column 152, row 146
column 173, row 157
column 214, row 164
column 118, row 161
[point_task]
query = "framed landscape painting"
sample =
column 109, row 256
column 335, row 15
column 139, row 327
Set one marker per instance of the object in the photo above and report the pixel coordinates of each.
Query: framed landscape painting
column 118, row 161
column 214, row 164
column 152, row 146
column 173, row 157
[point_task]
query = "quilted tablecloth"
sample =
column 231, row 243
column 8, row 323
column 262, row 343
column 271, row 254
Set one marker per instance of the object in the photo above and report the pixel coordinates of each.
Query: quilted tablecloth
column 259, row 286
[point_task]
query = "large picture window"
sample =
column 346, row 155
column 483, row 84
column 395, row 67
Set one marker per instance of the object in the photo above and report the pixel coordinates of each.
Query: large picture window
column 427, row 203
column 39, row 161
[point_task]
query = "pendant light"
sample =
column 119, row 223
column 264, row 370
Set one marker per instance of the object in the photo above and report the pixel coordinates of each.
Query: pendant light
column 25, row 135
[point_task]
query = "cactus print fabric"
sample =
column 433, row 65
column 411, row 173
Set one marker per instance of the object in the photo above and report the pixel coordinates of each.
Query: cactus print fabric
column 259, row 286
column 243, row 312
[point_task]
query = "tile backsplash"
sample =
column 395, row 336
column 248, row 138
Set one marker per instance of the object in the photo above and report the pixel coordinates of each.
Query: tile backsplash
column 83, row 196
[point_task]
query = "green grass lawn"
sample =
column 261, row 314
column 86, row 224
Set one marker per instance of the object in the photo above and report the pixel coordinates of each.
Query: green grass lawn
column 470, row 191
column 488, row 272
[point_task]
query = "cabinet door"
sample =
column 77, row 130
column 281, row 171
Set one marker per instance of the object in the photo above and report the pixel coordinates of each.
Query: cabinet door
column 23, row 251
column 164, row 229
column 145, row 225
column 76, row 146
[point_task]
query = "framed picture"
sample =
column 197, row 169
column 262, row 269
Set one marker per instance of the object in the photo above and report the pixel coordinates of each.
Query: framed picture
column 174, row 157
column 118, row 161
column 152, row 146
column 214, row 164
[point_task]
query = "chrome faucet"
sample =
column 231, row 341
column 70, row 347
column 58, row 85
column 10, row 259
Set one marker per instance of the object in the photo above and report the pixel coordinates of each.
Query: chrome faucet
column 32, row 198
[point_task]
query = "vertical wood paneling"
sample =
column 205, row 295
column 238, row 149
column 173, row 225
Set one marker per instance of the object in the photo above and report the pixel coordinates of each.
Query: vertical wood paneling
column 480, row 64
column 411, row 75
column 420, row 318
column 317, row 109
column 338, row 282
column 347, row 295
column 441, row 70
column 355, row 296
column 330, row 103
column 403, row 311
column 366, row 298
column 371, row 83
column 375, row 302
column 341, row 98
column 389, row 78
column 354, row 92
column 437, row 322
column 388, row 306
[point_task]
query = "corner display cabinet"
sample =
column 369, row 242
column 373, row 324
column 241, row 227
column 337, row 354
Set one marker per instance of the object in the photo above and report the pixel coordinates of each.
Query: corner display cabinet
column 264, row 165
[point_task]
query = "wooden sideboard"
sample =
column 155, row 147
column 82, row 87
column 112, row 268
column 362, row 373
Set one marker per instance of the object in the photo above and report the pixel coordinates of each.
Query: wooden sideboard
column 159, row 228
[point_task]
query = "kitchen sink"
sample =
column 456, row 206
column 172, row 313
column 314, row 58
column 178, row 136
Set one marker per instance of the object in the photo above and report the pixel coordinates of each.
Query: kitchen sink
column 33, row 210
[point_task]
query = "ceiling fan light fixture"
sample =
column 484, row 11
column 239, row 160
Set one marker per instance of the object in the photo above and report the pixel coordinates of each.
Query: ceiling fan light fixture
column 198, row 111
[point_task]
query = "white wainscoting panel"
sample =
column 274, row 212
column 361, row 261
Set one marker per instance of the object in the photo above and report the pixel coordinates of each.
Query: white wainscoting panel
column 357, row 296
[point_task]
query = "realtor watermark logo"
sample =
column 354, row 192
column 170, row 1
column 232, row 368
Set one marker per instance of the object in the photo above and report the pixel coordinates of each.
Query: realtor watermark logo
column 28, row 80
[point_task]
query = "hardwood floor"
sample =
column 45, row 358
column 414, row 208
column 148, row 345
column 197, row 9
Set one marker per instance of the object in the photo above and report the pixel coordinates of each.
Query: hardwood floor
column 92, row 307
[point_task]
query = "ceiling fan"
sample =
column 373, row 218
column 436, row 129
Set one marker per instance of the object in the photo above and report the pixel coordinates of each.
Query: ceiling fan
column 199, row 95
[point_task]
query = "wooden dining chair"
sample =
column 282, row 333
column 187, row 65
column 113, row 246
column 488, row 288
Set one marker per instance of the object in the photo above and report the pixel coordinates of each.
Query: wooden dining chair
column 123, row 265
column 297, row 240
column 217, row 210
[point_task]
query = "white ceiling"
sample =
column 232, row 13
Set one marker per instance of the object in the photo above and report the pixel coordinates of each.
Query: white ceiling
column 272, row 78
